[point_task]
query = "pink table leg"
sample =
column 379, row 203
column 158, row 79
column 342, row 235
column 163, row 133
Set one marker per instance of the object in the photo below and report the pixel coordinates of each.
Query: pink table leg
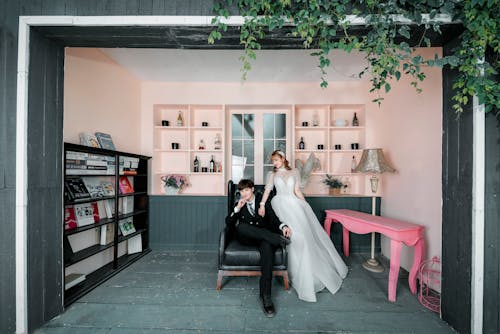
column 394, row 271
column 417, row 260
column 327, row 225
column 345, row 240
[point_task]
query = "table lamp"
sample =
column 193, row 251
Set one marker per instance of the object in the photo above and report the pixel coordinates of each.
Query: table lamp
column 373, row 161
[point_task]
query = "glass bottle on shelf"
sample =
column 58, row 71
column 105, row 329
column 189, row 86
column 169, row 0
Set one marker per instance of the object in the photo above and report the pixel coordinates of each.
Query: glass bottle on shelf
column 353, row 164
column 315, row 118
column 196, row 164
column 302, row 145
column 355, row 121
column 180, row 119
column 201, row 145
column 217, row 142
column 212, row 165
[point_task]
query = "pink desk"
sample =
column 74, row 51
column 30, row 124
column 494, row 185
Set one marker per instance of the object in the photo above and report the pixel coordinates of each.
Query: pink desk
column 398, row 231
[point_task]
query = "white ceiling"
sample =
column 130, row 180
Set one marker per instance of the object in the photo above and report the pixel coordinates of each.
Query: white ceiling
column 225, row 66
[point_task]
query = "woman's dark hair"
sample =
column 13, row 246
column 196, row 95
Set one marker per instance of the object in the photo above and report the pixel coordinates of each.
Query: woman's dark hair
column 280, row 154
column 245, row 183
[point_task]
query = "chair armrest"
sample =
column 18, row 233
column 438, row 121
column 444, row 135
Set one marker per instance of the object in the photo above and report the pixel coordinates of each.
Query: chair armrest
column 285, row 256
column 223, row 240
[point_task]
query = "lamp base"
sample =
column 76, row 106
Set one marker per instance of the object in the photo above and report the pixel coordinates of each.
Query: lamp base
column 373, row 265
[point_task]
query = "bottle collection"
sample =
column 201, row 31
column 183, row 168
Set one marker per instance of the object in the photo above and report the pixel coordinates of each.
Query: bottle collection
column 213, row 166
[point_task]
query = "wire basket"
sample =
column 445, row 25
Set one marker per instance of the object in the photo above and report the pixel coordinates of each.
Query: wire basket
column 429, row 275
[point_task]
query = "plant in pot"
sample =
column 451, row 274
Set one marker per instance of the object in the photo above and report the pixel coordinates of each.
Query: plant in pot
column 334, row 184
column 174, row 183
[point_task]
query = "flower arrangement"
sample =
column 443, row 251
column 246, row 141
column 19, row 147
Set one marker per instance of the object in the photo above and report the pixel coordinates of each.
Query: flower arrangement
column 175, row 181
column 333, row 182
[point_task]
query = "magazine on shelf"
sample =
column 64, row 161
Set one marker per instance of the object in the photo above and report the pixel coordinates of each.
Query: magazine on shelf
column 134, row 244
column 76, row 188
column 125, row 185
column 109, row 206
column 95, row 207
column 94, row 186
column 126, row 205
column 126, row 226
column 73, row 279
column 69, row 218
column 107, row 234
column 84, row 214
column 105, row 140
column 88, row 139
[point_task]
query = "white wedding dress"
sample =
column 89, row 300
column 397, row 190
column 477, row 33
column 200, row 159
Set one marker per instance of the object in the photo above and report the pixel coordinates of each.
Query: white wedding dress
column 313, row 261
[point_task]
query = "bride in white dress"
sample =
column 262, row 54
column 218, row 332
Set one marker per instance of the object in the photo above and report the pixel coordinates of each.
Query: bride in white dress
column 313, row 261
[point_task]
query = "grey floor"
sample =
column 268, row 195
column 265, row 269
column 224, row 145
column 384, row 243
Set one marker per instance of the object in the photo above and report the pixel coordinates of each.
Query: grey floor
column 174, row 292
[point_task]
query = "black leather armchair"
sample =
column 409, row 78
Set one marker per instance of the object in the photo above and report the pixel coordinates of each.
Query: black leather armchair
column 236, row 259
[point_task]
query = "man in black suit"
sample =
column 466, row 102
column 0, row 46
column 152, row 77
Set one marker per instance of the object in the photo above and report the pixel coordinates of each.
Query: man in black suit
column 252, row 229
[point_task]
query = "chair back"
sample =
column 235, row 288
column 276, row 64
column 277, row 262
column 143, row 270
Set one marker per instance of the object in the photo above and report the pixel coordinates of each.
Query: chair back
column 233, row 194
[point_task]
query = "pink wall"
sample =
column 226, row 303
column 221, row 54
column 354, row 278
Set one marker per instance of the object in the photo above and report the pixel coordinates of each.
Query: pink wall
column 408, row 126
column 99, row 95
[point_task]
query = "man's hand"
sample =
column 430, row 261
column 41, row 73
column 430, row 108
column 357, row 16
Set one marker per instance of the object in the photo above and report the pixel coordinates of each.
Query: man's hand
column 241, row 202
column 287, row 232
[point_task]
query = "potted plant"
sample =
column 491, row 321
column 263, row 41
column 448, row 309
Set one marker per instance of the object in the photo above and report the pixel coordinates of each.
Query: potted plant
column 334, row 184
column 174, row 183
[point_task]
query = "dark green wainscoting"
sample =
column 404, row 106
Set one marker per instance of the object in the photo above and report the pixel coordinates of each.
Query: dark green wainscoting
column 196, row 221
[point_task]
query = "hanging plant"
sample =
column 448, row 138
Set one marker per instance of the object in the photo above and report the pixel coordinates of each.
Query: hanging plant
column 327, row 25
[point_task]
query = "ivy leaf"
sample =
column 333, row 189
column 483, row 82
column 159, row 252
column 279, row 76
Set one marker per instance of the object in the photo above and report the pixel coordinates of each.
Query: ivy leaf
column 387, row 88
column 404, row 31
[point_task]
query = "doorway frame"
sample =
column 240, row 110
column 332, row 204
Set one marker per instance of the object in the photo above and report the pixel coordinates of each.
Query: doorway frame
column 27, row 22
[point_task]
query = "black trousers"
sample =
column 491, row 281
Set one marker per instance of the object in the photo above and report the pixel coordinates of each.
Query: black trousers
column 267, row 242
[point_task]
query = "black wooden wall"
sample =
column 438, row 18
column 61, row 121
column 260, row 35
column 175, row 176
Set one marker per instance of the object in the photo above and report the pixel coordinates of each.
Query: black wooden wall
column 457, row 209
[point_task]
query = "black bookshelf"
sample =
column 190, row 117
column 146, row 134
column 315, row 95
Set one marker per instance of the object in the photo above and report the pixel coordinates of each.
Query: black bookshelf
column 139, row 214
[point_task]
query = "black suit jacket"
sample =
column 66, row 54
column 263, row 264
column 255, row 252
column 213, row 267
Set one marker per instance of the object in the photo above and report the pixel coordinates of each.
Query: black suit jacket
column 269, row 221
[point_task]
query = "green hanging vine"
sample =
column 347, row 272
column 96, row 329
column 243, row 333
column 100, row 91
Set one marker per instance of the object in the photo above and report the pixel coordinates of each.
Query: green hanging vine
column 324, row 25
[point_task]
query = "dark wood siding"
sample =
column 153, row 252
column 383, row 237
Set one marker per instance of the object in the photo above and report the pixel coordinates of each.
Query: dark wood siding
column 197, row 221
column 8, row 82
column 45, row 138
column 491, row 323
column 457, row 209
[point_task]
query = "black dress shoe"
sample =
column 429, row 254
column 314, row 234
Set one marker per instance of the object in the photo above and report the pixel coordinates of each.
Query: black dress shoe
column 267, row 306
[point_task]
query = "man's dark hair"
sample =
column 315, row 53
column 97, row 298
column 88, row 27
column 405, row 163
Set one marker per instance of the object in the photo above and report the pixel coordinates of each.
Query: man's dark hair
column 245, row 183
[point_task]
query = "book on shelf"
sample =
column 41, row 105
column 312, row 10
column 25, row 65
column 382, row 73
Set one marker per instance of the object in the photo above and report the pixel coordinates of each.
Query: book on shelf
column 134, row 244
column 101, row 208
column 69, row 218
column 105, row 140
column 76, row 188
column 71, row 280
column 95, row 207
column 125, row 185
column 126, row 205
column 107, row 234
column 84, row 214
column 129, row 165
column 109, row 206
column 126, row 226
column 68, row 250
column 89, row 139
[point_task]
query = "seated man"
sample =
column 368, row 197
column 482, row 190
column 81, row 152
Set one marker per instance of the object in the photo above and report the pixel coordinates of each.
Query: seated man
column 252, row 229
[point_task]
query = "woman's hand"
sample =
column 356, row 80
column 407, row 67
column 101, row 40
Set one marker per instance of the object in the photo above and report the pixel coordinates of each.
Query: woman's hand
column 287, row 232
column 262, row 211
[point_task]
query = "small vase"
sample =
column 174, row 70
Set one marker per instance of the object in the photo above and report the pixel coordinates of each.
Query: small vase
column 171, row 190
column 334, row 191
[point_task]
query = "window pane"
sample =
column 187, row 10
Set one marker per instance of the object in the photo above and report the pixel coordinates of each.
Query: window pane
column 281, row 145
column 249, row 172
column 249, row 151
column 268, row 149
column 237, row 148
column 248, row 126
column 268, row 126
column 267, row 169
column 280, row 126
column 236, row 125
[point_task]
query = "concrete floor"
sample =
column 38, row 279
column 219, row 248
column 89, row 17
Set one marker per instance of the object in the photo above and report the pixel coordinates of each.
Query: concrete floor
column 174, row 292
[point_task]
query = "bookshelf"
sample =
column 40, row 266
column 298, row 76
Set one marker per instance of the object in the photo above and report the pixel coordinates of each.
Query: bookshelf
column 177, row 145
column 96, row 249
column 316, row 124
